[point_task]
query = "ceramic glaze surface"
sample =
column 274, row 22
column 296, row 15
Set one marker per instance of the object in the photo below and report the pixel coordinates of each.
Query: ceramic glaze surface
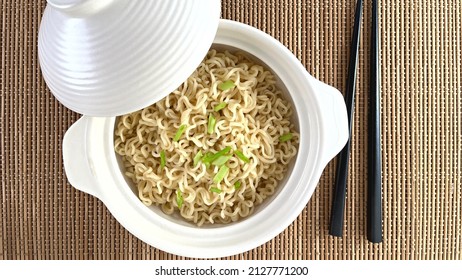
column 111, row 57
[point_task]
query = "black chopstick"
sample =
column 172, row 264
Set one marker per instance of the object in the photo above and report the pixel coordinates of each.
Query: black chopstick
column 374, row 190
column 338, row 203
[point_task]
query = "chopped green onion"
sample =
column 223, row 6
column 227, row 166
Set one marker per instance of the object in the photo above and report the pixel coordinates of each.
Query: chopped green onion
column 285, row 137
column 162, row 159
column 179, row 132
column 211, row 124
column 197, row 158
column 221, row 174
column 179, row 198
column 210, row 157
column 237, row 185
column 207, row 159
column 220, row 106
column 226, row 85
column 215, row 190
column 240, row 155
column 221, row 160
column 224, row 151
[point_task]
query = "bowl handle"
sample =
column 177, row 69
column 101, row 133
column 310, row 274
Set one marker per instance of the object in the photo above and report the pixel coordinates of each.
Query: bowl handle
column 77, row 165
column 334, row 121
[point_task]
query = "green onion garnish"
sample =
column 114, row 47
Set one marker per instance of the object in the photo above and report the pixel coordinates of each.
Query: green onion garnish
column 207, row 159
column 285, row 137
column 211, row 124
column 221, row 160
column 162, row 159
column 197, row 158
column 224, row 151
column 210, row 157
column 226, row 85
column 220, row 106
column 179, row 198
column 215, row 190
column 179, row 132
column 240, row 155
column 237, row 185
column 221, row 174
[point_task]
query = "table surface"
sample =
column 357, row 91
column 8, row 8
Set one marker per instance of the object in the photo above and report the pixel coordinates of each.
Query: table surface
column 43, row 217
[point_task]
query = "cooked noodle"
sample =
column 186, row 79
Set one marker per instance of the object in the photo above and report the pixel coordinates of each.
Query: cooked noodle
column 253, row 118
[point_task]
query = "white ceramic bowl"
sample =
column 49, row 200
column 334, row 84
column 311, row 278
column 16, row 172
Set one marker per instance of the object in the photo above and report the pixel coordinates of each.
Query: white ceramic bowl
column 91, row 164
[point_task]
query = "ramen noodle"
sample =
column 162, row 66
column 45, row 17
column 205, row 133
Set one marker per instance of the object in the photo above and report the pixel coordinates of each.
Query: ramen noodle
column 214, row 148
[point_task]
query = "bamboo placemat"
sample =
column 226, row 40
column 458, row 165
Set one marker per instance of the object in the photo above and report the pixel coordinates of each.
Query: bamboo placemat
column 43, row 217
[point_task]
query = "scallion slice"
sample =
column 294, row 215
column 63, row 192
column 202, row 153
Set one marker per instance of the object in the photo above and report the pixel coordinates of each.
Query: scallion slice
column 285, row 137
column 221, row 174
column 162, row 159
column 237, row 185
column 226, row 85
column 210, row 157
column 215, row 190
column 240, row 155
column 179, row 198
column 179, row 132
column 220, row 106
column 197, row 158
column 224, row 151
column 221, row 160
column 211, row 124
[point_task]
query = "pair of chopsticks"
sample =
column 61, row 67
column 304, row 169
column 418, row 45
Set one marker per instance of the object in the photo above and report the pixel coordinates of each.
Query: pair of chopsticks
column 374, row 190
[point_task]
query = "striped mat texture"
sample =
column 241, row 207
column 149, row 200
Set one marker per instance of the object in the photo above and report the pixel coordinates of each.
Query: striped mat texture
column 43, row 217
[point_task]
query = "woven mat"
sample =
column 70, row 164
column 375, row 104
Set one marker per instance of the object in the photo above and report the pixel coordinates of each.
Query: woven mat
column 43, row 217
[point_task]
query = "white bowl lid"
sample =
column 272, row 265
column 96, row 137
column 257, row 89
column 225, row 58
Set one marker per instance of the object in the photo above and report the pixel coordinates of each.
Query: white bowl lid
column 112, row 57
